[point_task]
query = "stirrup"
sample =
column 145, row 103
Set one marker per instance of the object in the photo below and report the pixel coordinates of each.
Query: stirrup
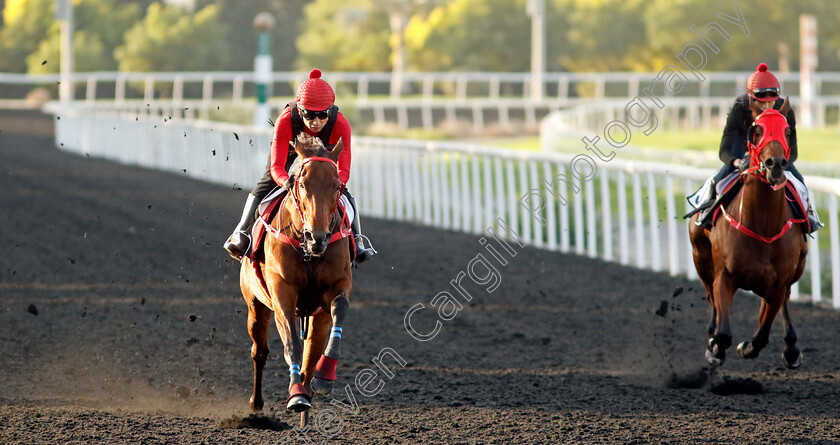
column 814, row 223
column 704, row 218
column 704, row 212
column 229, row 245
column 363, row 252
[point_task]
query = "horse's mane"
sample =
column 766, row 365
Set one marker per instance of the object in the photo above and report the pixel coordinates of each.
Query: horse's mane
column 312, row 146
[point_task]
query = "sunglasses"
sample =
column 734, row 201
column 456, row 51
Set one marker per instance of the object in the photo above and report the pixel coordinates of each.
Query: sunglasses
column 761, row 93
column 311, row 115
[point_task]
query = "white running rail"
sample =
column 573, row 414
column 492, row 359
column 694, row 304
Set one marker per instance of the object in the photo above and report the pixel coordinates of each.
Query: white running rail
column 629, row 212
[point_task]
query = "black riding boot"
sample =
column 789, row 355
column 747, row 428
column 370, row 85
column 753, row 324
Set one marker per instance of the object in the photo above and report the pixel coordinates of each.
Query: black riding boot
column 707, row 209
column 239, row 242
column 362, row 252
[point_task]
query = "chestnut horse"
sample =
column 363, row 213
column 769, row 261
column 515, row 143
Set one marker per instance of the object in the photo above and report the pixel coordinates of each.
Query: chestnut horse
column 304, row 263
column 756, row 245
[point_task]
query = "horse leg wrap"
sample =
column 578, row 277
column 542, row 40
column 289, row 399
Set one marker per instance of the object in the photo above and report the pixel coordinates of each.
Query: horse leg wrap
column 298, row 390
column 294, row 371
column 325, row 369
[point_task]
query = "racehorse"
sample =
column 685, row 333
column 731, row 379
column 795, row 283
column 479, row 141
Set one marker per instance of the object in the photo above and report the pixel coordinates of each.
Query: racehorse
column 302, row 270
column 757, row 245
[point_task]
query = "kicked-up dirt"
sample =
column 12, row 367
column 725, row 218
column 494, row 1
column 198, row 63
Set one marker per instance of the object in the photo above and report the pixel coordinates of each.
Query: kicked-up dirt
column 121, row 322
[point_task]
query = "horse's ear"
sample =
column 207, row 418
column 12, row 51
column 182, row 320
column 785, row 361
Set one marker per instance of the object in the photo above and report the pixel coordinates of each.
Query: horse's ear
column 754, row 134
column 336, row 151
column 298, row 148
column 785, row 108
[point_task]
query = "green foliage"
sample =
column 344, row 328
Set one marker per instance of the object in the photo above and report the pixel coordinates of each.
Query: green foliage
column 344, row 35
column 94, row 39
column 604, row 35
column 25, row 23
column 238, row 17
column 460, row 35
column 490, row 35
column 169, row 39
column 440, row 35
column 88, row 54
column 773, row 32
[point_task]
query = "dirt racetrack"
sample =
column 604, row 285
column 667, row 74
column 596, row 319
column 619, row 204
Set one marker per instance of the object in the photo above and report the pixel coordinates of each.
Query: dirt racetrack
column 121, row 322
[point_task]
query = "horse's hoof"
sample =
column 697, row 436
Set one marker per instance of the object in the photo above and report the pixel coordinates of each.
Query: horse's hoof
column 298, row 403
column 322, row 386
column 712, row 360
column 741, row 348
column 795, row 364
column 256, row 405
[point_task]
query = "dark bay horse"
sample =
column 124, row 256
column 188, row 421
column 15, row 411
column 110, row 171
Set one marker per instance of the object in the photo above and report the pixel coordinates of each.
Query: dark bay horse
column 304, row 264
column 756, row 245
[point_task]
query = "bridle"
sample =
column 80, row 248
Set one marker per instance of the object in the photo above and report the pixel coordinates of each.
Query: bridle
column 295, row 194
column 774, row 127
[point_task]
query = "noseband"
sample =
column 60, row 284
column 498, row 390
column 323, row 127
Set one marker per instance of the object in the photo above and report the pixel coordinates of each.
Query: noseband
column 774, row 125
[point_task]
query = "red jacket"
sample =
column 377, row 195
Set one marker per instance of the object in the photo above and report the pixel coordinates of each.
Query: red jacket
column 283, row 134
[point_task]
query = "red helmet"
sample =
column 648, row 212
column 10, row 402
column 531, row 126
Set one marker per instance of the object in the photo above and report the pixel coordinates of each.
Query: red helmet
column 763, row 85
column 315, row 94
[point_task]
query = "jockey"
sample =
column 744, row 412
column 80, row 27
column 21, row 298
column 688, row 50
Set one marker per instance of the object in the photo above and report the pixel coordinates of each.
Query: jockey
column 763, row 89
column 313, row 112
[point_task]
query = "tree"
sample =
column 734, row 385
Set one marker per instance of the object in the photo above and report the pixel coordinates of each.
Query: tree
column 605, row 35
column 471, row 35
column 492, row 35
column 344, row 35
column 25, row 24
column 773, row 28
column 168, row 39
column 238, row 16
column 99, row 26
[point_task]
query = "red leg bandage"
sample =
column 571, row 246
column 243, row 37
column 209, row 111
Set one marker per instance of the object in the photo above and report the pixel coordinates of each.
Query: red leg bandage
column 298, row 390
column 325, row 370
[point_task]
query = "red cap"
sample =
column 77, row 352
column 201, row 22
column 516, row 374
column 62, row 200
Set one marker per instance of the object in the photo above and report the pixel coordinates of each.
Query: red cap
column 762, row 79
column 315, row 94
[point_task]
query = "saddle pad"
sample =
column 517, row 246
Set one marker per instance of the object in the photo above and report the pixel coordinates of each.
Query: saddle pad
column 704, row 193
column 266, row 209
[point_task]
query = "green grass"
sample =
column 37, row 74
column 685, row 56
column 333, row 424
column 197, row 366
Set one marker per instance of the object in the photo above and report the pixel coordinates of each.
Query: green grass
column 679, row 140
column 817, row 145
